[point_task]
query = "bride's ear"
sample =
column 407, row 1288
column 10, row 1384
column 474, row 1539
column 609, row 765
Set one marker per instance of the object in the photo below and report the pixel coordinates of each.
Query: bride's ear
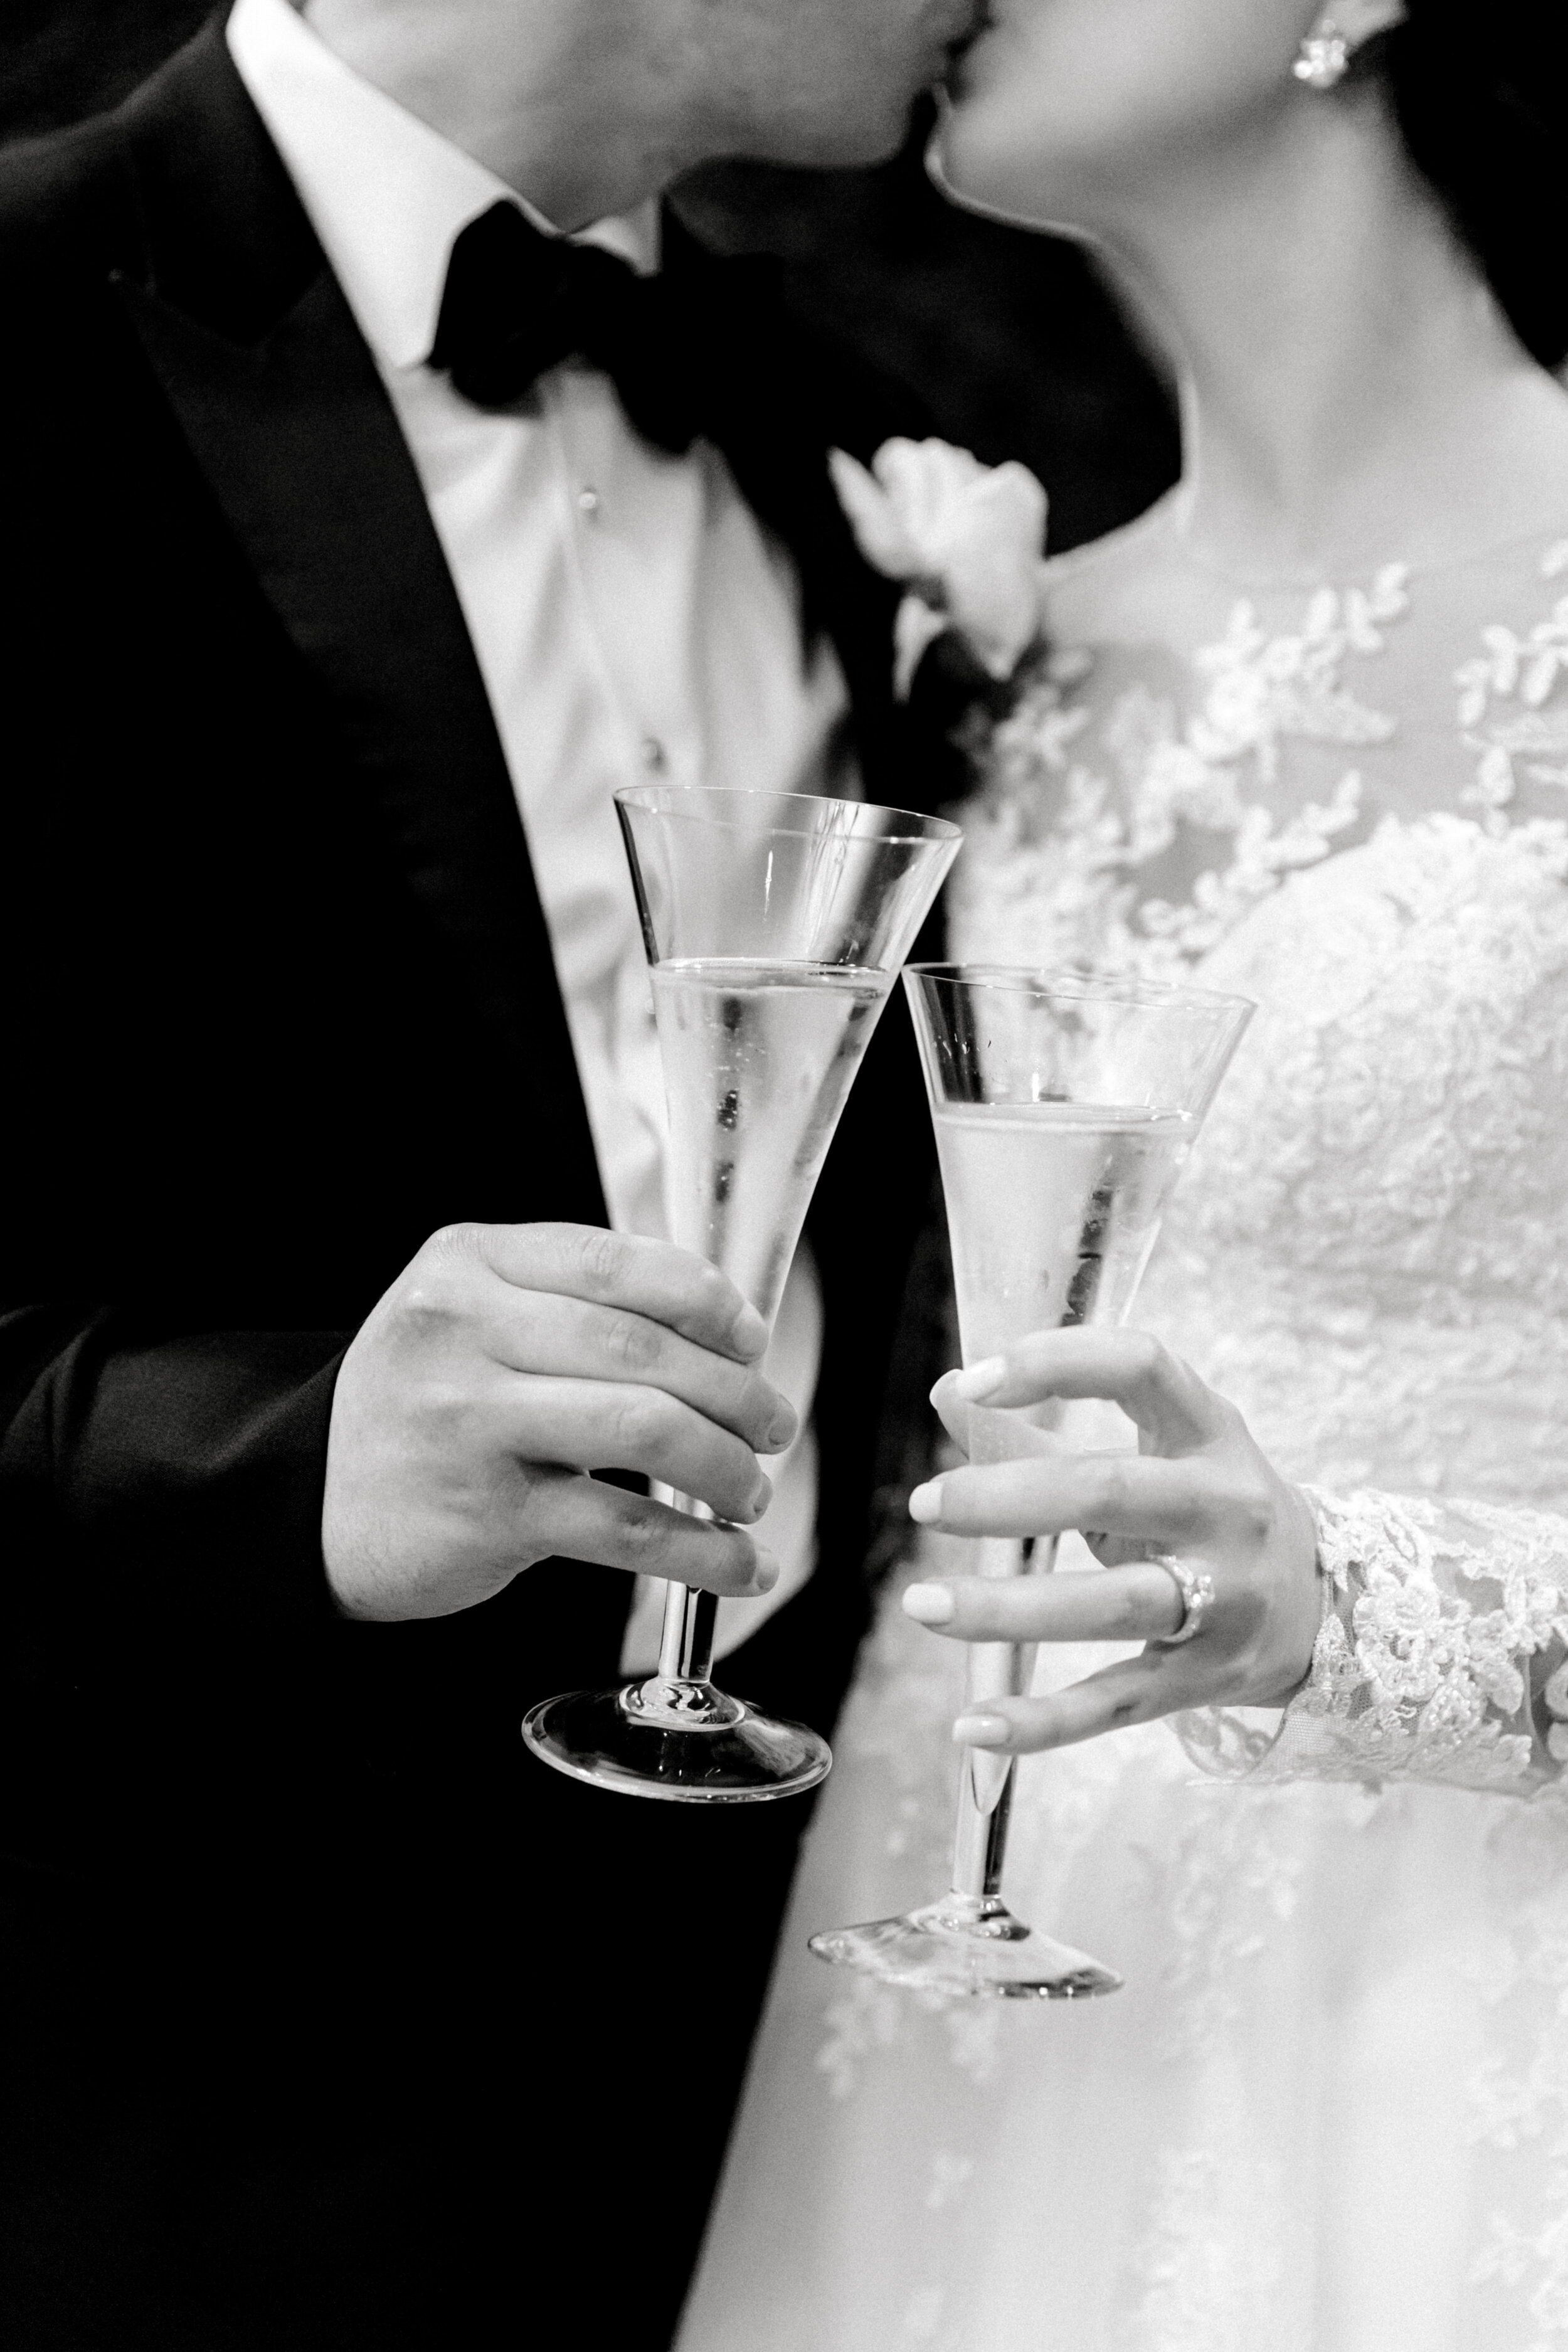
column 1360, row 20
column 1342, row 28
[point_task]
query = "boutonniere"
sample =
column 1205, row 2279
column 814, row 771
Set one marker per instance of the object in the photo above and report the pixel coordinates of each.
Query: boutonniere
column 968, row 542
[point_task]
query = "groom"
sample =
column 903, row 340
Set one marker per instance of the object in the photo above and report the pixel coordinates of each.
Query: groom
column 361, row 535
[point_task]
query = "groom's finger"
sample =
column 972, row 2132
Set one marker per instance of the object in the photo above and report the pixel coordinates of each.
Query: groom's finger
column 1145, row 1496
column 653, row 1279
column 1136, row 1690
column 573, row 1338
column 1132, row 1368
column 575, row 1517
column 592, row 1426
column 1119, row 1604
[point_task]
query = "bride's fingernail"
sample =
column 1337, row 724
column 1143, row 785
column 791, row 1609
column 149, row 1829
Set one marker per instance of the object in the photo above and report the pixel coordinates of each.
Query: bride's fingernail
column 981, row 1731
column 929, row 1604
column 981, row 1381
column 925, row 1503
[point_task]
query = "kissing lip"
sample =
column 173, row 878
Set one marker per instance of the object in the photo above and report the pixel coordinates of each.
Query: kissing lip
column 979, row 21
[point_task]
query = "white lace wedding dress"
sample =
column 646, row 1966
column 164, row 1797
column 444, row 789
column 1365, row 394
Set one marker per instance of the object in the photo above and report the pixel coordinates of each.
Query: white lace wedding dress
column 1329, row 2111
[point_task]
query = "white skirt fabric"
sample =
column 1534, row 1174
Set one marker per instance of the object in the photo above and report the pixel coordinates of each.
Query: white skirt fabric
column 1328, row 2111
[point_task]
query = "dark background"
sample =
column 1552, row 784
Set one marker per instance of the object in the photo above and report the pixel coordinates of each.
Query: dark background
column 1010, row 339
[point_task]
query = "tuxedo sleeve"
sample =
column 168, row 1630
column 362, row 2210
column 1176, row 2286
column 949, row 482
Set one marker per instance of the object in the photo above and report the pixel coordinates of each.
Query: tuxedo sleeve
column 193, row 1463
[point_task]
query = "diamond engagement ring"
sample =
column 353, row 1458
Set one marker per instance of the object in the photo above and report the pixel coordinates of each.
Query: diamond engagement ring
column 1197, row 1592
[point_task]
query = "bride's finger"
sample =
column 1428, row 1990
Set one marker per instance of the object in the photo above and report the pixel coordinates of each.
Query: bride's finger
column 1121, row 1604
column 1158, row 1391
column 1144, row 1495
column 1136, row 1690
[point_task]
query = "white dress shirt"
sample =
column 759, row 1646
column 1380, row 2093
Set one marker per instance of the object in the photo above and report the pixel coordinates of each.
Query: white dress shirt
column 631, row 619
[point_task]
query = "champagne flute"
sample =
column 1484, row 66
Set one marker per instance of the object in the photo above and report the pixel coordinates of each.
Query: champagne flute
column 1065, row 1105
column 775, row 924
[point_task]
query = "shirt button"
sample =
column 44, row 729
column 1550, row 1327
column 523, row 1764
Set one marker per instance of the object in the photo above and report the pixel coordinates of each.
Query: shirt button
column 588, row 499
column 653, row 754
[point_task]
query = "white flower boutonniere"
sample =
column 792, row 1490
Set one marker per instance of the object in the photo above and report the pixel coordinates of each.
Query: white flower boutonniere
column 967, row 539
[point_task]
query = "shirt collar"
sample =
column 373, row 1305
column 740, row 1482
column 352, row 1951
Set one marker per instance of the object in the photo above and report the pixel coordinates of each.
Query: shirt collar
column 385, row 193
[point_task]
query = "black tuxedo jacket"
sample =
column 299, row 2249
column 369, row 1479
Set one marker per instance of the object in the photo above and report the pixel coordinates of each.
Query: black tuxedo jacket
column 333, row 2018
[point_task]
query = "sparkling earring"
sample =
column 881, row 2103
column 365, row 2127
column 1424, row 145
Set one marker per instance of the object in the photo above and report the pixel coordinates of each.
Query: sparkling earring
column 1323, row 57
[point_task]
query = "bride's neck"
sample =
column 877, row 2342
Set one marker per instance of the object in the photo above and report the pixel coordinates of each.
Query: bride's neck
column 1351, row 388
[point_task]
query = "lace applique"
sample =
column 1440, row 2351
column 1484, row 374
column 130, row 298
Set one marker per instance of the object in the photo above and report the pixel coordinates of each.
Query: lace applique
column 1211, row 2257
column 868, row 2017
column 1263, row 690
column 1519, row 2087
column 1061, row 837
column 1051, row 832
column 1440, row 1658
column 1523, row 672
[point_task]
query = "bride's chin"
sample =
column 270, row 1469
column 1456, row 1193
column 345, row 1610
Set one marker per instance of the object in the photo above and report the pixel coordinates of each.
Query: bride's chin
column 968, row 172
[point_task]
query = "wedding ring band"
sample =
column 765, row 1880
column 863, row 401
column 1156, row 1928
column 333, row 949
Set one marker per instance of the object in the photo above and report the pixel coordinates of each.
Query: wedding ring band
column 1197, row 1595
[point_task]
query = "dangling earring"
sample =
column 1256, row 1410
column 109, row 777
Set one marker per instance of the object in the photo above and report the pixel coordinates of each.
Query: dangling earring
column 1324, row 56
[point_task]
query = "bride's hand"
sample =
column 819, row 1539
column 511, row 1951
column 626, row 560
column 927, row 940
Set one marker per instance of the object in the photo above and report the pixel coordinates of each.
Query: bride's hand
column 1198, row 1490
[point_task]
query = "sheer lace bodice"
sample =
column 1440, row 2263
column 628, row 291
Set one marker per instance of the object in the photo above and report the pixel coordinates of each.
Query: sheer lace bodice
column 1147, row 794
column 1368, row 1251
column 1333, row 2102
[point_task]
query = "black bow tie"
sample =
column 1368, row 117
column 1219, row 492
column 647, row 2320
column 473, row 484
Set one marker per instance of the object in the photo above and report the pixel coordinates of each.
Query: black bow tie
column 517, row 303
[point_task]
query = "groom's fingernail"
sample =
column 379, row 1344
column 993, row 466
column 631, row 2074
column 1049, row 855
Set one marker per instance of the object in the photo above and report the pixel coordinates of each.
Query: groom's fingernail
column 765, row 1577
column 981, row 1731
column 981, row 1381
column 784, row 1428
column 747, row 1333
column 929, row 1604
column 925, row 1503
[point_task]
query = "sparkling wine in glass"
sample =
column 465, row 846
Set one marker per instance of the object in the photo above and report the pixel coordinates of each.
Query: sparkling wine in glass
column 1065, row 1105
column 775, row 924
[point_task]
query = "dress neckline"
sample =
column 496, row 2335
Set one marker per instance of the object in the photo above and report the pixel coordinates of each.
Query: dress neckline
column 1308, row 580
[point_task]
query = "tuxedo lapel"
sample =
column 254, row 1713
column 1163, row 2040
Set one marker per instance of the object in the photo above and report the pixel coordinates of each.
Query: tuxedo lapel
column 789, row 487
column 781, row 397
column 906, row 761
column 280, row 401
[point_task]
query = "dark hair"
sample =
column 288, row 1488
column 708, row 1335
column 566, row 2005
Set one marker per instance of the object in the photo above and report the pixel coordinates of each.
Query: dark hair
column 1480, row 88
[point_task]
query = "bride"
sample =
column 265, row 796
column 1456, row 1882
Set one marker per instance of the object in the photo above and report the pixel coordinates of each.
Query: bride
column 1304, row 736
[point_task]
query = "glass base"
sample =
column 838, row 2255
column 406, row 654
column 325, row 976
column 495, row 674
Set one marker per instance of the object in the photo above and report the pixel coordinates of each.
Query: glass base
column 682, row 1741
column 967, row 1944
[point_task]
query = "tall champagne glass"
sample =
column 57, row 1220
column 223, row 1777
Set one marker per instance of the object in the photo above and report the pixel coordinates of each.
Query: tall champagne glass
column 775, row 924
column 1065, row 1105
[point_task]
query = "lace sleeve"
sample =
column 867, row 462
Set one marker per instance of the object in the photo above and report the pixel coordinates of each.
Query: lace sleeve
column 1442, row 1653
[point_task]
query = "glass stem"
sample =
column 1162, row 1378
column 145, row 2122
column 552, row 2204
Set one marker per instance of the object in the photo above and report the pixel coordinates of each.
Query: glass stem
column 980, row 1840
column 680, row 1695
column 986, row 1781
column 686, row 1641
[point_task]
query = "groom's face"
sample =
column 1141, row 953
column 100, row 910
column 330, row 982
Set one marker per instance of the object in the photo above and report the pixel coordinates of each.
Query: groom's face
column 820, row 82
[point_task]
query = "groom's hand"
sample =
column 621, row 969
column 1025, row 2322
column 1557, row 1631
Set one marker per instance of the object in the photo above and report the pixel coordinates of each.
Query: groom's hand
column 504, row 1363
